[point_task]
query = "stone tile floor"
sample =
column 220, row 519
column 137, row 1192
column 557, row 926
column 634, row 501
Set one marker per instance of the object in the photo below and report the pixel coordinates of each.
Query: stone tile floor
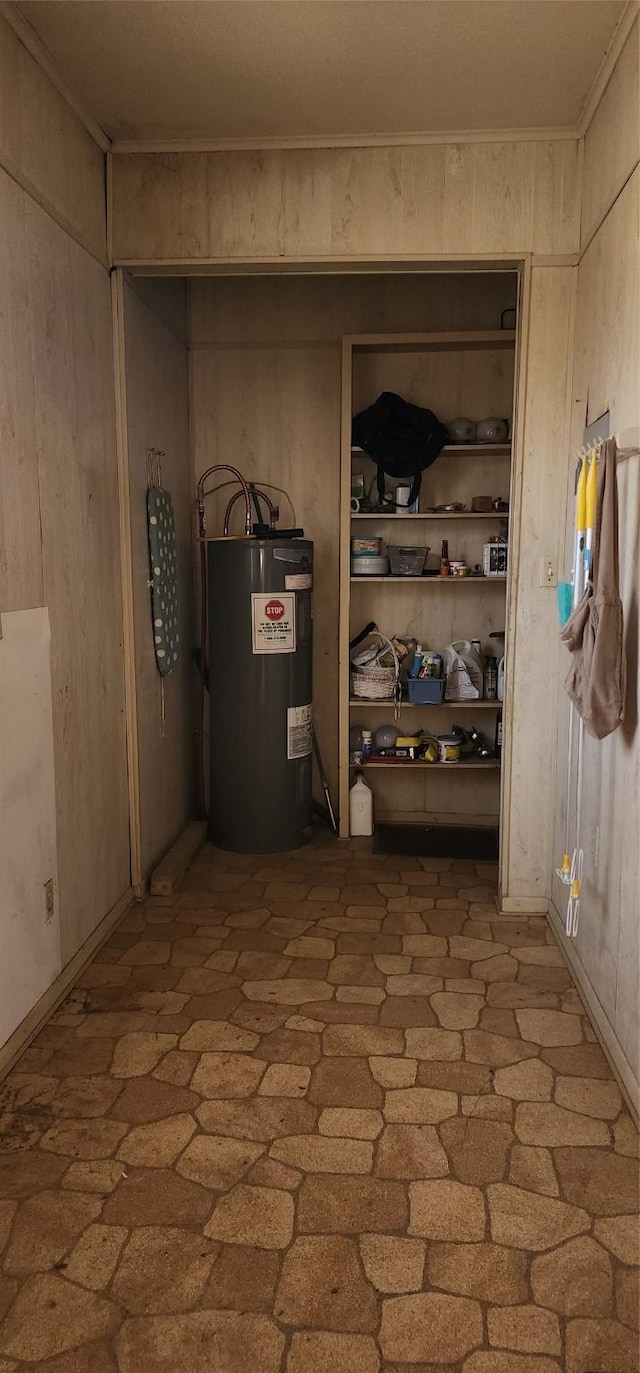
column 321, row 1113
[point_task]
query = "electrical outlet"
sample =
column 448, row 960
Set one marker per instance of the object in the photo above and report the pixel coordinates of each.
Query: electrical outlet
column 548, row 571
column 49, row 900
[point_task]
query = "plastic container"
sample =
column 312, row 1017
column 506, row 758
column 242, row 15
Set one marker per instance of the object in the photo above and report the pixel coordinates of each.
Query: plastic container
column 368, row 565
column 367, row 744
column 449, row 748
column 498, row 737
column 490, row 678
column 414, row 670
column 360, row 808
column 366, row 547
column 431, row 665
column 494, row 558
column 426, row 691
column 407, row 562
column 403, row 507
column 501, row 679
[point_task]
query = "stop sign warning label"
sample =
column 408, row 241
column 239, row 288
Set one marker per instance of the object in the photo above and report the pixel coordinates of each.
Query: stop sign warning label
column 273, row 622
column 274, row 610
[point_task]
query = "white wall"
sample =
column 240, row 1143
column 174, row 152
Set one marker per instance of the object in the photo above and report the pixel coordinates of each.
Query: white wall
column 60, row 559
column 157, row 413
column 606, row 373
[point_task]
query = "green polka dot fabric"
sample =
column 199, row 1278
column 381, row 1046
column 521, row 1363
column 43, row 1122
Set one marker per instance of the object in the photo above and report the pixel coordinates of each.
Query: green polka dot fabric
column 164, row 584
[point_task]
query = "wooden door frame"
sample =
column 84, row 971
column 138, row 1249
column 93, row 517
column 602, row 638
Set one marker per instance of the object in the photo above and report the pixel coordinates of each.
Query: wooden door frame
column 336, row 265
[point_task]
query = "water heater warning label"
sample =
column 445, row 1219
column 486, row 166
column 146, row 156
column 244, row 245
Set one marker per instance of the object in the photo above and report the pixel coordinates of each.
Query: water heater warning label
column 273, row 622
column 298, row 731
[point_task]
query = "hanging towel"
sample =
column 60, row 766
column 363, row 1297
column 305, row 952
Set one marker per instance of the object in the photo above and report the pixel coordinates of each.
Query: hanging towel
column 593, row 633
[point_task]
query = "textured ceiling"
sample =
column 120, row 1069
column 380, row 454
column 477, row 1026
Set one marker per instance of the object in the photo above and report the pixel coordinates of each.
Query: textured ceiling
column 253, row 69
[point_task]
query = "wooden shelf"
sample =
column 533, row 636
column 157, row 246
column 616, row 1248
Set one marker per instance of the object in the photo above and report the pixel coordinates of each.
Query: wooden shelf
column 435, row 581
column 436, row 819
column 470, row 450
column 458, row 372
column 491, row 764
column 426, row 705
column 439, row 515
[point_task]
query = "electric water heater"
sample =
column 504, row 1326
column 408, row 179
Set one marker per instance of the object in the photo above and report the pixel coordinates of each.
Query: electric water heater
column 259, row 614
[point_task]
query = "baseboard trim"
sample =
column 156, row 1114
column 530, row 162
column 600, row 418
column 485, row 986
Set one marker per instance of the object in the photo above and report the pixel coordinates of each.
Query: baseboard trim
column 618, row 1062
column 523, row 905
column 50, row 1000
column 167, row 873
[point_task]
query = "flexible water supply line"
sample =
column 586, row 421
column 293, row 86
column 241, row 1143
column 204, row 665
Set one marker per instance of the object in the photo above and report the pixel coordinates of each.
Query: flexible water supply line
column 238, row 496
column 200, row 493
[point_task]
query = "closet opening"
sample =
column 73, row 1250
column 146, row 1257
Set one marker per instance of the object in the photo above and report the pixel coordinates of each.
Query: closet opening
column 280, row 363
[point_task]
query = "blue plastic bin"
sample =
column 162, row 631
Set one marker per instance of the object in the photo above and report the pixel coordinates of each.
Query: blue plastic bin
column 426, row 691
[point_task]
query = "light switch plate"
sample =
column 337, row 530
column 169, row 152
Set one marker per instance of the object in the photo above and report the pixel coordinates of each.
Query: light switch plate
column 548, row 571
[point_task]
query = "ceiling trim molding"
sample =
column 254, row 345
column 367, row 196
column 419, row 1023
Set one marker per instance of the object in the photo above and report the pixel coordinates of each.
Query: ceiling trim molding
column 334, row 264
column 54, row 213
column 607, row 66
column 34, row 45
column 334, row 141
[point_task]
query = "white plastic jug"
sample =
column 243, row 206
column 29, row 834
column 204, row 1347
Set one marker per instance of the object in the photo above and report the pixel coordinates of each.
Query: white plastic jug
column 463, row 671
column 501, row 679
column 360, row 807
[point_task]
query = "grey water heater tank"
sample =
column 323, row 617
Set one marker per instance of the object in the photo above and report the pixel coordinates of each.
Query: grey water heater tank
column 259, row 593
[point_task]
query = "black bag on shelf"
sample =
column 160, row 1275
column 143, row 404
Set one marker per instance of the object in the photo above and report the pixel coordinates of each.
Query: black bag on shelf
column 403, row 439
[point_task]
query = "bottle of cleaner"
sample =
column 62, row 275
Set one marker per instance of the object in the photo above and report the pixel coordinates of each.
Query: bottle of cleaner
column 501, row 679
column 360, row 807
column 414, row 670
column 490, row 678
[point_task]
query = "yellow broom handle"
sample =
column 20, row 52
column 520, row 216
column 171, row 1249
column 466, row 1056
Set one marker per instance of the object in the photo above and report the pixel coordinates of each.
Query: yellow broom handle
column 591, row 493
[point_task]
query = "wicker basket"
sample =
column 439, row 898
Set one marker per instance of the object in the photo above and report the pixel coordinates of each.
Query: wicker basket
column 376, row 683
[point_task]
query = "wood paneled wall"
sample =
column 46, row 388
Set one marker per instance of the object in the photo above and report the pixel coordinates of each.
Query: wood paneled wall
column 607, row 366
column 529, row 762
column 27, row 806
column 70, row 305
column 60, row 518
column 59, row 538
column 511, row 198
column 606, row 952
column 46, row 149
column 612, row 141
column 157, row 412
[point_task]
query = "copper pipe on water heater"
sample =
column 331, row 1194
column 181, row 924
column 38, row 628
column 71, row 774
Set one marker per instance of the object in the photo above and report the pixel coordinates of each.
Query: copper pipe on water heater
column 238, row 496
column 222, row 467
